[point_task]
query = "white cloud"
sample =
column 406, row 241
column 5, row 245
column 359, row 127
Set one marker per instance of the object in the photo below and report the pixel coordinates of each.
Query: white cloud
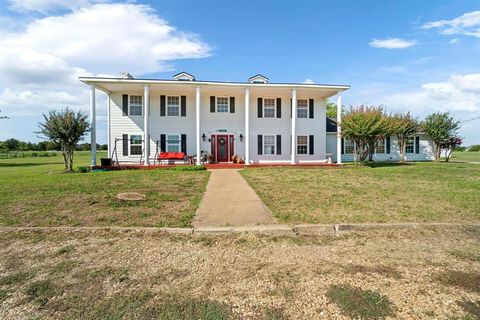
column 392, row 43
column 461, row 93
column 455, row 40
column 466, row 24
column 45, row 6
column 308, row 81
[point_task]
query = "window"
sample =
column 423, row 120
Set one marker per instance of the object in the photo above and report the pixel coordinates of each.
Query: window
column 269, row 108
column 348, row 146
column 223, row 104
column 135, row 145
column 268, row 144
column 302, row 108
column 409, row 146
column 173, row 106
column 302, row 144
column 173, row 143
column 380, row 146
column 136, row 105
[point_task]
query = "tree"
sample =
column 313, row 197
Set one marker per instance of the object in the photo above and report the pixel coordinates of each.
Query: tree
column 447, row 146
column 440, row 127
column 66, row 128
column 404, row 126
column 365, row 126
column 332, row 109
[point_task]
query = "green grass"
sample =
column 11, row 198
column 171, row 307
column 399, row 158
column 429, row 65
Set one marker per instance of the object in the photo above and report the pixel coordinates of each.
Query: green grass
column 419, row 192
column 36, row 192
column 466, row 156
column 360, row 304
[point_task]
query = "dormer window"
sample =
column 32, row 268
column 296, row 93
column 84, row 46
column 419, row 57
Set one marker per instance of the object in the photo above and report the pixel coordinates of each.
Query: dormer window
column 258, row 79
column 184, row 76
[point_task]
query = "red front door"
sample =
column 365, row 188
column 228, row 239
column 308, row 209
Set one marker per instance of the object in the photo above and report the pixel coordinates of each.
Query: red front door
column 222, row 146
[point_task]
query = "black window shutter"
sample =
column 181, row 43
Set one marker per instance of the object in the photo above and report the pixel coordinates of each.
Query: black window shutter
column 417, row 144
column 310, row 144
column 125, row 104
column 163, row 143
column 388, row 145
column 162, row 106
column 260, row 108
column 343, row 145
column 232, row 104
column 184, row 143
column 310, row 108
column 291, row 107
column 279, row 144
column 279, row 107
column 125, row 144
column 183, row 106
column 260, row 144
column 212, row 104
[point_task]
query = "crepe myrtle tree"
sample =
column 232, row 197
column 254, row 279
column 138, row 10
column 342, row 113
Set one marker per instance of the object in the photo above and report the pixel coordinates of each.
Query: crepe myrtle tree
column 447, row 146
column 366, row 126
column 440, row 127
column 65, row 127
column 404, row 126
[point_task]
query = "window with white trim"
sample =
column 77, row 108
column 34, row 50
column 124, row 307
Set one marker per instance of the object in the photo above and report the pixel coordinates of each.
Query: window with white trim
column 380, row 148
column 173, row 106
column 173, row 143
column 302, row 144
column 348, row 146
column 410, row 145
column 302, row 108
column 135, row 145
column 269, row 144
column 136, row 105
column 223, row 105
column 269, row 107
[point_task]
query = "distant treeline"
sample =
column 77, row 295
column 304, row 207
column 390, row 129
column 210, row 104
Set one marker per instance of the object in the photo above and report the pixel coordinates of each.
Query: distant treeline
column 18, row 145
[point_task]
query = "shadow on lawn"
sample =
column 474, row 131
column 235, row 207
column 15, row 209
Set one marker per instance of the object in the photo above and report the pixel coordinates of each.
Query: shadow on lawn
column 387, row 164
column 27, row 164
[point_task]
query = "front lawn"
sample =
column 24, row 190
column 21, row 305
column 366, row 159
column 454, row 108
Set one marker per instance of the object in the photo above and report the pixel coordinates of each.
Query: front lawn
column 35, row 192
column 468, row 156
column 421, row 192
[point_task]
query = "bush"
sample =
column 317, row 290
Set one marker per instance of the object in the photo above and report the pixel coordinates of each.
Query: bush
column 83, row 169
column 189, row 168
column 475, row 147
column 34, row 154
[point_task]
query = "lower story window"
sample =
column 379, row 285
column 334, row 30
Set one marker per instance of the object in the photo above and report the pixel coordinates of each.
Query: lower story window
column 380, row 146
column 269, row 144
column 302, row 144
column 173, row 143
column 135, row 145
column 349, row 146
column 409, row 146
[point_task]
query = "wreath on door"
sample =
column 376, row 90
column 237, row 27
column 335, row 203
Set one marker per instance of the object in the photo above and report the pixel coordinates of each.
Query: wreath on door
column 221, row 141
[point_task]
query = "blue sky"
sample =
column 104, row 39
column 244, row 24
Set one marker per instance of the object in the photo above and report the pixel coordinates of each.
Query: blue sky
column 418, row 56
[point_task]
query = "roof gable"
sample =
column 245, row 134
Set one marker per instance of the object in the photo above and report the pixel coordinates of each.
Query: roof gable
column 258, row 79
column 184, row 76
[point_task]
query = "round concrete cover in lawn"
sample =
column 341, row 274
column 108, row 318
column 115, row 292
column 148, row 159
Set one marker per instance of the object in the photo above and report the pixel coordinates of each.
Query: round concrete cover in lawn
column 131, row 196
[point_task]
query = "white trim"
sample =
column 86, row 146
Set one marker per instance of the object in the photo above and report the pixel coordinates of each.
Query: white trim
column 308, row 108
column 109, row 147
column 197, row 125
column 293, row 132
column 216, row 104
column 308, row 144
column 274, row 108
column 247, row 126
column 93, row 126
column 179, row 105
column 274, row 144
column 146, row 125
column 141, row 107
column 339, row 128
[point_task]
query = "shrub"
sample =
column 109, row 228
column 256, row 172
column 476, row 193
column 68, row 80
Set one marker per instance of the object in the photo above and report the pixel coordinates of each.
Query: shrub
column 475, row 147
column 83, row 169
column 189, row 168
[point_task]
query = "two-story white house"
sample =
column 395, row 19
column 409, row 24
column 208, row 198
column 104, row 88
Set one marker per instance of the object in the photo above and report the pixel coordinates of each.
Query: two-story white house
column 258, row 121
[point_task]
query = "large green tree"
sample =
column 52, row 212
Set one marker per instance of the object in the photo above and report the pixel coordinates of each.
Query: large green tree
column 365, row 126
column 405, row 127
column 65, row 127
column 440, row 127
column 332, row 109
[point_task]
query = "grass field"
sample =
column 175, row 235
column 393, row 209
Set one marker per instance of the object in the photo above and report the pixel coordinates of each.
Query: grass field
column 427, row 273
column 466, row 156
column 35, row 192
column 440, row 192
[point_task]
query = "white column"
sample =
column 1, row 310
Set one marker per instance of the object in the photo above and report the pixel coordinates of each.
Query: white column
column 93, row 127
column 109, row 148
column 247, row 126
column 339, row 128
column 197, row 124
column 146, row 131
column 294, row 120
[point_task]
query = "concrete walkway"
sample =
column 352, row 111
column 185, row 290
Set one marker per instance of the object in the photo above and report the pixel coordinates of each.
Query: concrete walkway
column 230, row 201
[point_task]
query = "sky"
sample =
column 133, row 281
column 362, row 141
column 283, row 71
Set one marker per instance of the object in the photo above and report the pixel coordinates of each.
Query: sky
column 408, row 55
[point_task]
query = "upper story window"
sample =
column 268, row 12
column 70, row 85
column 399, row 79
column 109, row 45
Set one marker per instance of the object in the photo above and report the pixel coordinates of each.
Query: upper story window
column 268, row 144
column 223, row 105
column 410, row 145
column 269, row 108
column 302, row 108
column 136, row 105
column 135, row 145
column 380, row 146
column 173, row 143
column 173, row 106
column 302, row 144
column 348, row 146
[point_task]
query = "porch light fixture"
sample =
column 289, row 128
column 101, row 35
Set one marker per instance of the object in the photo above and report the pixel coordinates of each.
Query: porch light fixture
column 241, row 137
column 203, row 137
